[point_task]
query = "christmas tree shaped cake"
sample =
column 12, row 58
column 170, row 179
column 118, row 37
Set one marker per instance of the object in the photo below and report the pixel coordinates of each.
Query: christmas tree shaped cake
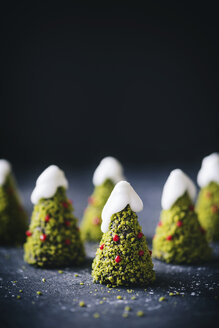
column 106, row 175
column 53, row 238
column 123, row 257
column 13, row 219
column 179, row 237
column 208, row 200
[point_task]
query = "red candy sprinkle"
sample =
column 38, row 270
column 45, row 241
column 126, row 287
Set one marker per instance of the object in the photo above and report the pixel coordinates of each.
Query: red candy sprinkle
column 116, row 238
column 150, row 252
column 96, row 221
column 208, row 194
column 65, row 204
column 101, row 246
column 179, row 223
column 67, row 241
column 169, row 237
column 28, row 233
column 214, row 208
column 117, row 259
column 139, row 235
column 160, row 224
column 67, row 223
column 90, row 200
column 141, row 253
column 191, row 208
column 43, row 237
column 47, row 218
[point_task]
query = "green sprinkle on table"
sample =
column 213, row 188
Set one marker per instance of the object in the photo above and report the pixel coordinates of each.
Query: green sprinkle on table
column 76, row 275
column 96, row 315
column 127, row 309
column 162, row 298
column 140, row 313
column 119, row 297
column 20, row 290
column 82, row 304
column 171, row 294
column 39, row 293
column 125, row 315
column 133, row 298
column 18, row 297
column 60, row 271
column 81, row 283
column 14, row 282
column 43, row 280
column 101, row 302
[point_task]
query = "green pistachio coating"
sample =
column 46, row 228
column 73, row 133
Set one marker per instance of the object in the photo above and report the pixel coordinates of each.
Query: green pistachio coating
column 126, row 261
column 61, row 244
column 91, row 223
column 208, row 210
column 179, row 237
column 13, row 218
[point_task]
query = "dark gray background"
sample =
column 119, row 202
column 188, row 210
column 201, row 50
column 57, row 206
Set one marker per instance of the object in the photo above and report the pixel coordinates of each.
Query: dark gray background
column 81, row 81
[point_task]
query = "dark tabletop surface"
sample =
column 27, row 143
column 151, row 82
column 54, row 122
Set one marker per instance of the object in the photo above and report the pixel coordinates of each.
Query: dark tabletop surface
column 195, row 305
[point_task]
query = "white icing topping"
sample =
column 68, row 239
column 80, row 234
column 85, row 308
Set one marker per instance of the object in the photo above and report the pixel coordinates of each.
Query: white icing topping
column 48, row 182
column 5, row 169
column 109, row 168
column 122, row 195
column 175, row 187
column 209, row 171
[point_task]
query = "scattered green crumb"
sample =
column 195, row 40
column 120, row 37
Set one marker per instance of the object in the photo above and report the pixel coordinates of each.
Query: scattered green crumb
column 91, row 292
column 127, row 308
column 39, row 293
column 76, row 275
column 162, row 298
column 96, row 315
column 108, row 291
column 18, row 297
column 177, row 293
column 145, row 289
column 14, row 282
column 133, row 298
column 81, row 283
column 95, row 290
column 20, row 290
column 82, row 304
column 140, row 313
column 60, row 271
column 129, row 291
column 119, row 297
column 171, row 294
column 43, row 280
column 101, row 302
column 104, row 298
column 125, row 315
